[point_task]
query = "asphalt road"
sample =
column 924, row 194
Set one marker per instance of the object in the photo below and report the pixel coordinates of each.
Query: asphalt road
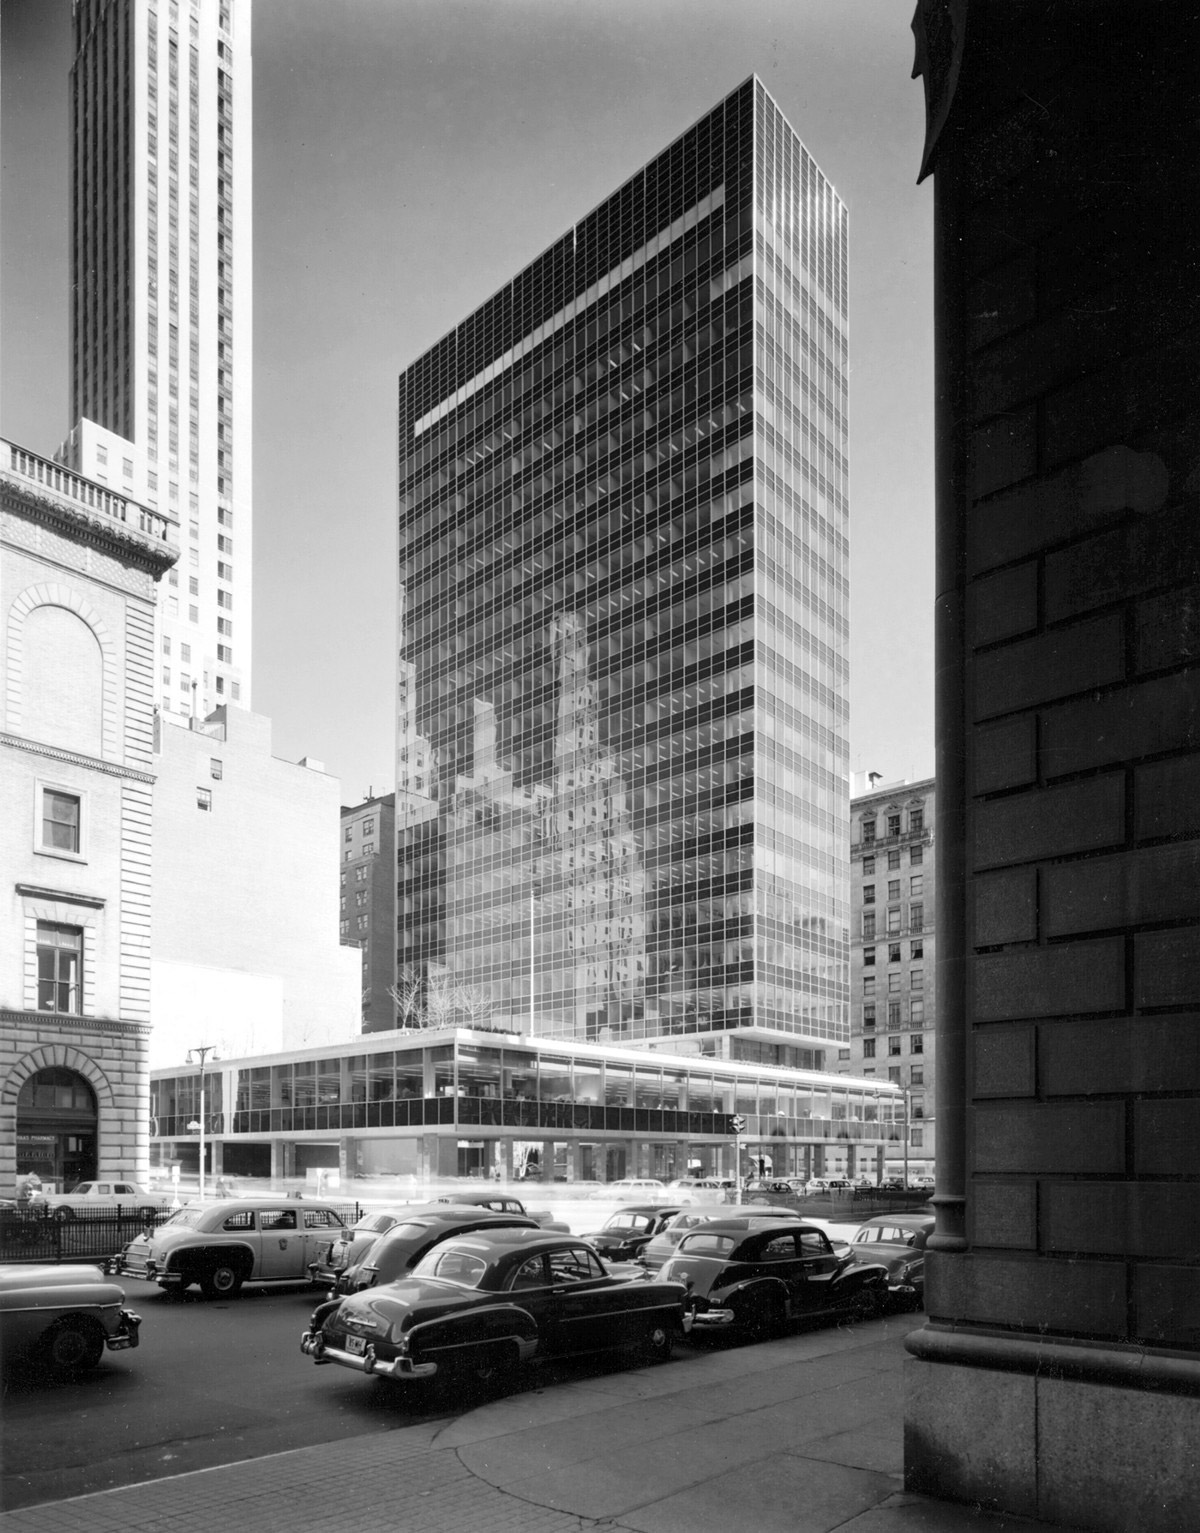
column 210, row 1383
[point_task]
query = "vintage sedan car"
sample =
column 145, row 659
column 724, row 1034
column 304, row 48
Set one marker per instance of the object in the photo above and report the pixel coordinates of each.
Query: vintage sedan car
column 394, row 1254
column 624, row 1233
column 86, row 1197
column 503, row 1203
column 898, row 1241
column 662, row 1246
column 818, row 1186
column 349, row 1246
column 751, row 1276
column 222, row 1245
column 62, row 1317
column 478, row 1305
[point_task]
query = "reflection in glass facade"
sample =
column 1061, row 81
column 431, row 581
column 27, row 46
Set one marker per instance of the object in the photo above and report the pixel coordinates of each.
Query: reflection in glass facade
column 623, row 565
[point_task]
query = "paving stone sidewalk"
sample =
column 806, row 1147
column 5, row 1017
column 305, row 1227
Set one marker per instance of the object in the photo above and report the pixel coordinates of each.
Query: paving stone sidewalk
column 802, row 1435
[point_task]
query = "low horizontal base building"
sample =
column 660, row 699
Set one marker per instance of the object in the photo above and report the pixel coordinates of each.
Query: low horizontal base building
column 464, row 1102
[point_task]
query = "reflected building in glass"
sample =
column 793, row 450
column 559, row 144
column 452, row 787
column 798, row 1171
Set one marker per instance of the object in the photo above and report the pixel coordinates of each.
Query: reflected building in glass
column 624, row 566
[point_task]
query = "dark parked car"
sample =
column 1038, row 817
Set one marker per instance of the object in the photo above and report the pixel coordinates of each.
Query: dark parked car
column 478, row 1305
column 751, row 1276
column 898, row 1241
column 393, row 1254
column 625, row 1233
column 662, row 1245
column 349, row 1247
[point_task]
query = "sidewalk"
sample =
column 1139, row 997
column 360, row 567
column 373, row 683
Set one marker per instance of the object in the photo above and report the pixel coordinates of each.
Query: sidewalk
column 803, row 1435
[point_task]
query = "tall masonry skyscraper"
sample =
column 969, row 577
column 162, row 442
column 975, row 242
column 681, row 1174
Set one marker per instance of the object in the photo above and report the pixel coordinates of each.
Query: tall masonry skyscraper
column 623, row 558
column 161, row 308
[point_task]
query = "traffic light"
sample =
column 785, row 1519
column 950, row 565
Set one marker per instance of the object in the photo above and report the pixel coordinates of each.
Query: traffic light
column 737, row 1124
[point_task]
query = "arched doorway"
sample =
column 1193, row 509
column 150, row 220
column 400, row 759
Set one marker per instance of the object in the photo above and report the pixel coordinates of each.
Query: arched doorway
column 56, row 1128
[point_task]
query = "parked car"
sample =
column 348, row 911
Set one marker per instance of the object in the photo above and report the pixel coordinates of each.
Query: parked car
column 646, row 1186
column 349, row 1246
column 503, row 1203
column 85, row 1197
column 656, row 1251
column 477, row 1306
column 62, row 1317
column 825, row 1184
column 222, row 1245
column 751, row 1277
column 761, row 1187
column 626, row 1232
column 702, row 1184
column 898, row 1241
column 393, row 1254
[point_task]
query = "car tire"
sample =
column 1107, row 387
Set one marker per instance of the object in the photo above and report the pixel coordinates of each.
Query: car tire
column 657, row 1342
column 765, row 1319
column 868, row 1304
column 64, row 1215
column 72, row 1346
column 223, row 1280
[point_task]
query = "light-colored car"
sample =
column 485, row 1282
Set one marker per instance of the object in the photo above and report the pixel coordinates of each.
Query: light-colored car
column 62, row 1317
column 898, row 1241
column 820, row 1184
column 87, row 1197
column 222, row 1245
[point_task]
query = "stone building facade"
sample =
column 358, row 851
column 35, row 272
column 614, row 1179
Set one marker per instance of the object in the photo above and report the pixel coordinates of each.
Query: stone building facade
column 893, row 956
column 367, row 910
column 1058, row 1374
column 79, row 566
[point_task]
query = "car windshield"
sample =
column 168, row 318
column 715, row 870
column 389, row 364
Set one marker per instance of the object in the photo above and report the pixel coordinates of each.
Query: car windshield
column 628, row 1222
column 190, row 1217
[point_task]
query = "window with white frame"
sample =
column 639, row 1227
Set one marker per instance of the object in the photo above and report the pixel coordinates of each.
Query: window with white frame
column 59, row 821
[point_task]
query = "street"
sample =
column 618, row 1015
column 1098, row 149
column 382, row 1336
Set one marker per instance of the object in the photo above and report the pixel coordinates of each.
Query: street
column 210, row 1383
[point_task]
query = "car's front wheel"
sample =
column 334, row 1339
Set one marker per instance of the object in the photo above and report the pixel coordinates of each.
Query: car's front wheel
column 223, row 1280
column 71, row 1346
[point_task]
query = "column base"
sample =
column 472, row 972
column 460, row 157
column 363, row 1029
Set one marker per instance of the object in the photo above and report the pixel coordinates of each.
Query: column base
column 1083, row 1436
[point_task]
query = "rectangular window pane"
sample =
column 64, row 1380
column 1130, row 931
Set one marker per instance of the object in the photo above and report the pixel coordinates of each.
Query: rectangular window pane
column 60, row 821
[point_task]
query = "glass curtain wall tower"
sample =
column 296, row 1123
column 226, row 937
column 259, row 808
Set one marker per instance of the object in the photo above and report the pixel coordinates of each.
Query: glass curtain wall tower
column 624, row 560
column 161, row 308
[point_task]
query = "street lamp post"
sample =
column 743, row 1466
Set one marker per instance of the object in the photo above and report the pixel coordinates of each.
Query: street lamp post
column 203, row 1051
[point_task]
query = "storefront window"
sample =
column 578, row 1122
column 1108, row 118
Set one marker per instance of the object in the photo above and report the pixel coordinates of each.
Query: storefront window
column 304, row 1083
column 356, row 1074
column 478, row 1071
column 554, row 1080
column 587, row 1083
column 381, row 1077
column 647, row 1087
column 520, row 1075
column 618, row 1085
column 410, row 1075
column 442, row 1060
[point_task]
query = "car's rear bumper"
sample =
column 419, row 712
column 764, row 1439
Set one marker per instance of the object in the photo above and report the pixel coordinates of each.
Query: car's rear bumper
column 314, row 1345
column 714, row 1319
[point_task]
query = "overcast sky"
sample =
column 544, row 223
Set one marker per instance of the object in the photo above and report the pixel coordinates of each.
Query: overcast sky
column 410, row 157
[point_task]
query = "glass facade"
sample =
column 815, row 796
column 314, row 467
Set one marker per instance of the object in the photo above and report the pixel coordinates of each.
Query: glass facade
column 623, row 567
column 464, row 1083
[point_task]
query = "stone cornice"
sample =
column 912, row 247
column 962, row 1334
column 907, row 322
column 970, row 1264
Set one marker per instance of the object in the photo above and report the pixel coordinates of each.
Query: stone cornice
column 92, row 763
column 69, row 1022
column 112, row 537
column 64, row 896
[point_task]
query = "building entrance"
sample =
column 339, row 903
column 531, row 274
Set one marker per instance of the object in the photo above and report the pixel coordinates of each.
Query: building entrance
column 56, row 1129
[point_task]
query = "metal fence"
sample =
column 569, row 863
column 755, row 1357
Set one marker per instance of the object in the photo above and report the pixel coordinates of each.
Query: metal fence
column 27, row 1235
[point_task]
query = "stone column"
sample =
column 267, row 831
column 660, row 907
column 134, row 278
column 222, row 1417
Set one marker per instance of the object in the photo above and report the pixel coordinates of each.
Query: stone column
column 1058, row 1375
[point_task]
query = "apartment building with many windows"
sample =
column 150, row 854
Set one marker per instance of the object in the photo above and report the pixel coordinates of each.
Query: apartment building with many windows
column 367, row 902
column 893, row 945
column 162, row 310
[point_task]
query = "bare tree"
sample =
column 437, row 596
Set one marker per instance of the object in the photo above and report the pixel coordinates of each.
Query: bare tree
column 437, row 999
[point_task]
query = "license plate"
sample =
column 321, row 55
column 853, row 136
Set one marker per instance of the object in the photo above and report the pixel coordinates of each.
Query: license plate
column 356, row 1345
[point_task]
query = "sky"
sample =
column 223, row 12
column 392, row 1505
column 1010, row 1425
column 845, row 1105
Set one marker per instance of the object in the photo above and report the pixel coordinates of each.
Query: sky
column 410, row 156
